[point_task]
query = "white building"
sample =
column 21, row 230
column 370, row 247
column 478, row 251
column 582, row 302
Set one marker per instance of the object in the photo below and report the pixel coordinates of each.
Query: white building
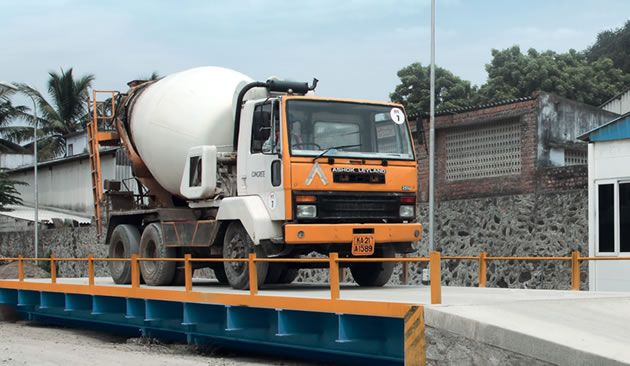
column 15, row 160
column 76, row 143
column 609, row 204
column 619, row 104
column 65, row 184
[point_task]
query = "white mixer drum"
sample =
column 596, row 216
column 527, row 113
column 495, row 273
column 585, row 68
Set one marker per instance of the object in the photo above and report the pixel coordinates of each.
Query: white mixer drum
column 190, row 108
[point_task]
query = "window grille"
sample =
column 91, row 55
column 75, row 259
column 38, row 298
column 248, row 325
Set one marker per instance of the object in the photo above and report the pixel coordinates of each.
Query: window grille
column 575, row 157
column 484, row 151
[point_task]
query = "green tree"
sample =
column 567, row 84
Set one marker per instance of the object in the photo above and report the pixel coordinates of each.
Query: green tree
column 512, row 74
column 65, row 114
column 8, row 193
column 11, row 135
column 413, row 90
column 613, row 44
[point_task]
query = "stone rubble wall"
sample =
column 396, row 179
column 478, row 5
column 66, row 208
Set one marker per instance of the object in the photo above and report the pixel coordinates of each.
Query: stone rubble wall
column 549, row 224
column 62, row 242
column 539, row 224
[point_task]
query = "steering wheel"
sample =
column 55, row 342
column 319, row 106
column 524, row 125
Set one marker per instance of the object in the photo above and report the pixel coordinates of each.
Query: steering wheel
column 307, row 144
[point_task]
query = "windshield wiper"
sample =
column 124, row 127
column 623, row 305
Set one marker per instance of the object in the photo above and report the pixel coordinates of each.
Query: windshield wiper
column 334, row 148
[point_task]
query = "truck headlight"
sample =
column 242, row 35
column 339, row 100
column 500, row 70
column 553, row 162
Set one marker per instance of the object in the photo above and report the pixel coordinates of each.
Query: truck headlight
column 306, row 211
column 407, row 211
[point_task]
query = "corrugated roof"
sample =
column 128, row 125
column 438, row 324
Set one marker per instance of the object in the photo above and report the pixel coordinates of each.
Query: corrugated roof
column 617, row 129
column 476, row 107
column 62, row 160
column 617, row 96
column 43, row 215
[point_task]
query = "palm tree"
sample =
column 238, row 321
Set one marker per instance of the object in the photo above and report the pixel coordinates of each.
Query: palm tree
column 65, row 114
column 154, row 76
column 10, row 135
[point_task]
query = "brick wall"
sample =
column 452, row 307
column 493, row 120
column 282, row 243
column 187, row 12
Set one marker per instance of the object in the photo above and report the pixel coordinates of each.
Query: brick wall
column 562, row 178
column 524, row 111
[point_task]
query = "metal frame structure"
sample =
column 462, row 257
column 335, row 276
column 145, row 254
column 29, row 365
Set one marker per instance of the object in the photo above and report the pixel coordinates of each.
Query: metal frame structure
column 99, row 134
column 355, row 331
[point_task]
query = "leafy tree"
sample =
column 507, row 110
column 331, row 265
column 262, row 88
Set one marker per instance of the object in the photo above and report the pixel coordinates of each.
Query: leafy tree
column 8, row 194
column 613, row 44
column 512, row 74
column 65, row 114
column 11, row 134
column 413, row 90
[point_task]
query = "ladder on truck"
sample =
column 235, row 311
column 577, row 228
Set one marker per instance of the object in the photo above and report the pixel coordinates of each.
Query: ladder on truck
column 101, row 130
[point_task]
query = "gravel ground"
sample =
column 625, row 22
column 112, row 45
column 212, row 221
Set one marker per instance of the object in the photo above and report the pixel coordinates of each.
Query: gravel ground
column 26, row 343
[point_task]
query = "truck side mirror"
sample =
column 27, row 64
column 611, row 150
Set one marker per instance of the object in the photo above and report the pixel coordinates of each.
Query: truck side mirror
column 199, row 180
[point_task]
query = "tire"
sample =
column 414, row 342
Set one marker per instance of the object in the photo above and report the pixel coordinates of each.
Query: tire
column 374, row 274
column 274, row 272
column 124, row 242
column 156, row 273
column 179, row 278
column 288, row 275
column 219, row 273
column 280, row 273
column 238, row 244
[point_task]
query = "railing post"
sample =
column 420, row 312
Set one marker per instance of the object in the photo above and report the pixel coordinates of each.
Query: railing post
column 135, row 272
column 187, row 272
column 253, row 274
column 91, row 270
column 482, row 269
column 436, row 277
column 333, row 262
column 575, row 270
column 20, row 268
column 53, row 269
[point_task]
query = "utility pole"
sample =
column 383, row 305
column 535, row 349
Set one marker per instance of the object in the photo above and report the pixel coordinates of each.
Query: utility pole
column 432, row 135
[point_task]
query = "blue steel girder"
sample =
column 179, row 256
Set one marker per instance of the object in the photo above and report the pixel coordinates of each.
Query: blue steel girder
column 353, row 339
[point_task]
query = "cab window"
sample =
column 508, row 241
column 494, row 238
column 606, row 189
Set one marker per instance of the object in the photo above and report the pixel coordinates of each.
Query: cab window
column 261, row 127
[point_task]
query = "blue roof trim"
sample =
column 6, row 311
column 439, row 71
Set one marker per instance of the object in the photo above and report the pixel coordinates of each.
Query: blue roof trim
column 617, row 129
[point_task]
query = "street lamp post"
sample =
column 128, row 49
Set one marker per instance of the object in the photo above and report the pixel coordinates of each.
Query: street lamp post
column 36, row 213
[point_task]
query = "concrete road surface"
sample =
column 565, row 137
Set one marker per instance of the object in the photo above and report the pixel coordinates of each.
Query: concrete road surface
column 25, row 343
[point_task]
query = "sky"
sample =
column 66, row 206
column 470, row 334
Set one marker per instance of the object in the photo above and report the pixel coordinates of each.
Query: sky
column 354, row 47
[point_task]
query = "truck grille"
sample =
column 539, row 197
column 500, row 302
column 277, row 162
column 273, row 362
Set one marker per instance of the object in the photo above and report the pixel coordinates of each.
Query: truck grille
column 362, row 206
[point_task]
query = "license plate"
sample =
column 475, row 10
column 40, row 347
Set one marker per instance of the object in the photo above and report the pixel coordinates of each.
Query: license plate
column 363, row 245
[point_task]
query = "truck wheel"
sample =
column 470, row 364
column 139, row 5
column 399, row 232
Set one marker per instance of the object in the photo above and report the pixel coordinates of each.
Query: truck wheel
column 280, row 273
column 179, row 278
column 156, row 273
column 219, row 273
column 288, row 275
column 238, row 244
column 274, row 272
column 375, row 274
column 124, row 242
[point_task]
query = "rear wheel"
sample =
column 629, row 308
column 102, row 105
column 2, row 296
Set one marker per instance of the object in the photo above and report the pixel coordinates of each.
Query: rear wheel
column 274, row 272
column 156, row 273
column 288, row 275
column 280, row 273
column 219, row 273
column 238, row 244
column 374, row 274
column 124, row 242
column 179, row 278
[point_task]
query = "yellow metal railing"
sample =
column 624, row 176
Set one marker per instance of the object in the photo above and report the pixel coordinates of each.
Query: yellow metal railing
column 434, row 259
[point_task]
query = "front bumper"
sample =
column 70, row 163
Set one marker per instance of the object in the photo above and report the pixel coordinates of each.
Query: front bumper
column 343, row 233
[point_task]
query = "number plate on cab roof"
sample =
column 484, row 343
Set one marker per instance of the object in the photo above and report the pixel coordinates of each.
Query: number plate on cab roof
column 363, row 245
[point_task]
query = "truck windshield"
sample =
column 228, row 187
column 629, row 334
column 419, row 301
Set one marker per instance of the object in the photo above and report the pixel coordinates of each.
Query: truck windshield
column 353, row 130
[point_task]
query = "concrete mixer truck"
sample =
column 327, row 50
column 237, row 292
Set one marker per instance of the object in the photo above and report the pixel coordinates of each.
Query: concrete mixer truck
column 234, row 166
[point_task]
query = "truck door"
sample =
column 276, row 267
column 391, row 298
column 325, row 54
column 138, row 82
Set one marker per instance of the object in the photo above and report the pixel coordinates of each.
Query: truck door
column 263, row 173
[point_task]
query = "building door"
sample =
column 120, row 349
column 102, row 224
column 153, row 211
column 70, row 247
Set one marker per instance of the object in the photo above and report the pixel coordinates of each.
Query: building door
column 612, row 235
